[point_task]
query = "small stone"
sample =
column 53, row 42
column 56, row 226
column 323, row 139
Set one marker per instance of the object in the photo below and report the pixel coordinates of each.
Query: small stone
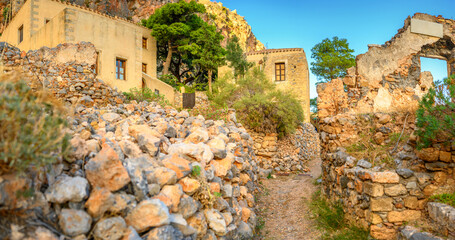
column 162, row 176
column 198, row 222
column 182, row 167
column 218, row 147
column 223, row 166
column 106, row 170
column 170, row 195
column 244, row 231
column 149, row 144
column 188, row 206
column 381, row 204
column 406, row 215
column 100, row 200
column 189, row 185
column 164, row 233
column 197, row 136
column 65, row 188
column 428, row 154
column 405, row 173
column 395, row 190
column 74, row 222
column 148, row 213
column 385, row 177
column 216, row 221
column 373, row 189
column 110, row 117
column 364, row 164
column 78, row 149
column 110, row 228
column 385, row 118
column 180, row 223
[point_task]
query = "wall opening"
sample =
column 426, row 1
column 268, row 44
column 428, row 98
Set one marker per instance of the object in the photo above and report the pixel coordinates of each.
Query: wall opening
column 437, row 67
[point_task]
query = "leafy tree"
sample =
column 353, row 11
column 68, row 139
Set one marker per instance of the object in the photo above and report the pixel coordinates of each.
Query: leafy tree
column 314, row 104
column 237, row 58
column 436, row 114
column 172, row 26
column 331, row 59
column 206, row 44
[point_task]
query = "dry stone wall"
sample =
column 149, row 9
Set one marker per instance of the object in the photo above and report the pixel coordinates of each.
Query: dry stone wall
column 288, row 154
column 68, row 71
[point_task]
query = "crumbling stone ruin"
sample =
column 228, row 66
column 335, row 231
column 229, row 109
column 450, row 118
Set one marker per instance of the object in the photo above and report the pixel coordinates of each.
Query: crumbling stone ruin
column 68, row 71
column 387, row 78
column 368, row 146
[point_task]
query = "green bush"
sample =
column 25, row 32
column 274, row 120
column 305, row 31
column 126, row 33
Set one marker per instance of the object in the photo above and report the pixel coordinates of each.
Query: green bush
column 436, row 114
column 145, row 94
column 258, row 103
column 32, row 130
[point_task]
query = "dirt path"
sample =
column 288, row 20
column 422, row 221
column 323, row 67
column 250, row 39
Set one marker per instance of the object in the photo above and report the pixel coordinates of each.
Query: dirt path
column 283, row 206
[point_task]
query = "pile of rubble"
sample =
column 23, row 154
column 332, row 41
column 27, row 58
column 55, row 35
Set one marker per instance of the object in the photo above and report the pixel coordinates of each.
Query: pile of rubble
column 68, row 71
column 140, row 171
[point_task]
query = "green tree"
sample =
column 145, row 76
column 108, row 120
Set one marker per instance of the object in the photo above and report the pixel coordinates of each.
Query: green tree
column 237, row 58
column 314, row 104
column 436, row 114
column 206, row 45
column 331, row 59
column 172, row 26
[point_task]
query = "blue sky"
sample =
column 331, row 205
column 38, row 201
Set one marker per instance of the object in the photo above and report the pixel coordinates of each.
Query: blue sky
column 304, row 23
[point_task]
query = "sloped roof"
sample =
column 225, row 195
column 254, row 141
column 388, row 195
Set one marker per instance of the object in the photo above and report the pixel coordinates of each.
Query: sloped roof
column 278, row 50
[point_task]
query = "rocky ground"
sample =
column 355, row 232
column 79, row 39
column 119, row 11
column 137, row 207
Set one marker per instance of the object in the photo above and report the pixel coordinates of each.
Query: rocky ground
column 283, row 205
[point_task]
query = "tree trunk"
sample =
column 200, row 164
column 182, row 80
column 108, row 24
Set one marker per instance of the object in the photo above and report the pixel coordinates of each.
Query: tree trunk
column 210, row 81
column 167, row 64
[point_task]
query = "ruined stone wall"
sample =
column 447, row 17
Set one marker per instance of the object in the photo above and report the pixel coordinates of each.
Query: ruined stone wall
column 68, row 71
column 387, row 78
column 382, row 190
column 367, row 122
column 291, row 153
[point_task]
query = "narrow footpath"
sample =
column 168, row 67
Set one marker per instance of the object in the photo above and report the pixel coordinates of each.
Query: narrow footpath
column 283, row 206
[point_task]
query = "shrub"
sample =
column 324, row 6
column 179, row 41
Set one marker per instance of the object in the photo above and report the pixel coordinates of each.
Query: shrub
column 436, row 114
column 259, row 105
column 145, row 94
column 32, row 127
column 210, row 112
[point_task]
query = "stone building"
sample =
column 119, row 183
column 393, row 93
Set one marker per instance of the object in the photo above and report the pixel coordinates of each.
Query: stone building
column 126, row 52
column 288, row 69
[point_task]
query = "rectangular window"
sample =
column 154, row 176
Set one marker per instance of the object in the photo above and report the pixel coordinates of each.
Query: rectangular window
column 157, row 92
column 120, row 69
column 280, row 72
column 144, row 42
column 144, row 67
column 20, row 33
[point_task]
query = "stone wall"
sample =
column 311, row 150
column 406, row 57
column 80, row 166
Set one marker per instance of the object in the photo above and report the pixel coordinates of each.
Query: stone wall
column 388, row 77
column 385, row 190
column 288, row 154
column 68, row 71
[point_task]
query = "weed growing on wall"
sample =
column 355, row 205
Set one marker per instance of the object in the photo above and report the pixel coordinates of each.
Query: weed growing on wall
column 436, row 114
column 32, row 132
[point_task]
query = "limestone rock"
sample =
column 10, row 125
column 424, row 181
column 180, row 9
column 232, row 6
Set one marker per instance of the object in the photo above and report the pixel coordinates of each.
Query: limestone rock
column 182, row 167
column 106, row 170
column 148, row 213
column 110, row 229
column 216, row 221
column 189, row 185
column 74, row 222
column 170, row 195
column 66, row 189
column 162, row 176
column 164, row 233
column 100, row 200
